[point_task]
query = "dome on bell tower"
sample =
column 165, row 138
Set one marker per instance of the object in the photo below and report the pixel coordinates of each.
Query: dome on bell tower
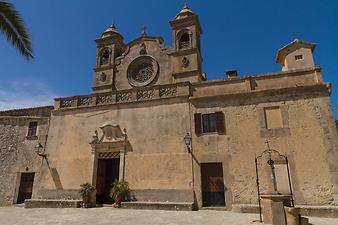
column 110, row 32
column 185, row 12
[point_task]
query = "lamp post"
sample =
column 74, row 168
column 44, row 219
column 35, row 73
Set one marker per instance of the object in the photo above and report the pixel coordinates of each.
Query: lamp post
column 187, row 140
column 40, row 150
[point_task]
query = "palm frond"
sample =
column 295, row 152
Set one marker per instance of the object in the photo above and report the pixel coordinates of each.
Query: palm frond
column 13, row 27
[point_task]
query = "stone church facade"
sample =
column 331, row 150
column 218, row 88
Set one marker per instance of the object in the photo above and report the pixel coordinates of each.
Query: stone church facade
column 154, row 120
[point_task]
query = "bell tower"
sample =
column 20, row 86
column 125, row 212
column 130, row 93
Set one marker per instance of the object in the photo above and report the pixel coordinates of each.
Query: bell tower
column 109, row 46
column 186, row 57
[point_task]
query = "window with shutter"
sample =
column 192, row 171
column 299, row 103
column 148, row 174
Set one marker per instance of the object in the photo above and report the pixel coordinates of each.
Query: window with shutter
column 198, row 125
column 209, row 123
column 220, row 122
column 32, row 128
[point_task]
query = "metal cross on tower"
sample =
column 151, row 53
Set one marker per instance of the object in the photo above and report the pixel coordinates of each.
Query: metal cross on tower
column 144, row 31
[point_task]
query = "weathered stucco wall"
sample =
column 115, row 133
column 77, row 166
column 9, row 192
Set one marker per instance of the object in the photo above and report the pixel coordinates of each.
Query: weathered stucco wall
column 17, row 153
column 291, row 63
column 311, row 129
column 156, row 159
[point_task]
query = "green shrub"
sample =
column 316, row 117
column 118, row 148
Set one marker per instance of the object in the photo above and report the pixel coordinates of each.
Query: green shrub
column 86, row 189
column 118, row 187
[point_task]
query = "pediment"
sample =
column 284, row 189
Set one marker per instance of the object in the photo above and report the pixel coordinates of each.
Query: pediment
column 142, row 39
column 111, row 133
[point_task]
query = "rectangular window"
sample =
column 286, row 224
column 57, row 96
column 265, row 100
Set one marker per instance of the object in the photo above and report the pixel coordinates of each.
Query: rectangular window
column 273, row 117
column 298, row 57
column 32, row 128
column 209, row 123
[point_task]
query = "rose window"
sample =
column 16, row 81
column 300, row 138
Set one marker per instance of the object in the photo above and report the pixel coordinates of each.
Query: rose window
column 142, row 71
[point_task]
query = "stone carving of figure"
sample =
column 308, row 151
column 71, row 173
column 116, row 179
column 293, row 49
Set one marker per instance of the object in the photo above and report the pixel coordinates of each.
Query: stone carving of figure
column 143, row 49
column 95, row 138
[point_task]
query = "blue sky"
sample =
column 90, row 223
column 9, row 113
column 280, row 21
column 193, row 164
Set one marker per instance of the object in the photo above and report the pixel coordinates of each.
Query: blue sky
column 238, row 34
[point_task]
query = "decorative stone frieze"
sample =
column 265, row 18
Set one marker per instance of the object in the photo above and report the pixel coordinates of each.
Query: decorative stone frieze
column 65, row 103
column 85, row 101
column 145, row 94
column 168, row 91
column 104, row 99
column 125, row 96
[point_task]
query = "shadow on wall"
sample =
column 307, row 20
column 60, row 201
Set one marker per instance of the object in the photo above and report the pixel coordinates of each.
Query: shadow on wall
column 55, row 176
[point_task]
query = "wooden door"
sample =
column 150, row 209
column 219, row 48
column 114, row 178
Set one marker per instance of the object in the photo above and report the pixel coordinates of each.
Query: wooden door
column 26, row 187
column 212, row 184
column 107, row 172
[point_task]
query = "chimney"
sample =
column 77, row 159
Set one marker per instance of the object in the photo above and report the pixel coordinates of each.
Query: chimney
column 231, row 74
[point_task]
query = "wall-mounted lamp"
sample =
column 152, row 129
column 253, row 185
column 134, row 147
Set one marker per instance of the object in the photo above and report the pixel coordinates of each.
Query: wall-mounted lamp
column 187, row 140
column 39, row 149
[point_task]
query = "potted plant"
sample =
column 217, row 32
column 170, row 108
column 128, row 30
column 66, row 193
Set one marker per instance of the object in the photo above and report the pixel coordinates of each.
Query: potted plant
column 85, row 190
column 118, row 190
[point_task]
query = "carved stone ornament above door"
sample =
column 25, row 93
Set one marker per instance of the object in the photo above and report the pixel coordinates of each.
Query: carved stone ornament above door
column 112, row 132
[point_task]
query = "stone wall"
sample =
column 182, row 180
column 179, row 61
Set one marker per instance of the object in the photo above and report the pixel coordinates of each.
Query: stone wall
column 310, row 144
column 155, row 48
column 17, row 154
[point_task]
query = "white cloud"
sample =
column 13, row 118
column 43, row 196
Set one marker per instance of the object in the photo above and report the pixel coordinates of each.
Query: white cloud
column 25, row 93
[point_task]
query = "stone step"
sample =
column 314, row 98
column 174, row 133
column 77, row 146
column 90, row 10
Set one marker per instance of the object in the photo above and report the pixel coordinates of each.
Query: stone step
column 327, row 211
column 215, row 208
column 319, row 211
column 176, row 206
column 52, row 203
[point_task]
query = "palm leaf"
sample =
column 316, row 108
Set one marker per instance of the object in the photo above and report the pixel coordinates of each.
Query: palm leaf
column 13, row 27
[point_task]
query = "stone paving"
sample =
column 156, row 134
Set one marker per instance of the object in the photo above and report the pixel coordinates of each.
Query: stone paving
column 107, row 215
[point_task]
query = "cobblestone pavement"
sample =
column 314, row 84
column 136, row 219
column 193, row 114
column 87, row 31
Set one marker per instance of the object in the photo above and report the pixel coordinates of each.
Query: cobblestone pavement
column 107, row 215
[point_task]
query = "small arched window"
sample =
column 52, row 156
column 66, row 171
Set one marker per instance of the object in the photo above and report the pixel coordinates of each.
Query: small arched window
column 184, row 41
column 104, row 59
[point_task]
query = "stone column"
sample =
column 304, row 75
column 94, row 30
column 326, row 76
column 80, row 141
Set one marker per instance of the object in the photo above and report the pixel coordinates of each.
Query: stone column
column 122, row 160
column 93, row 165
column 122, row 154
column 93, row 174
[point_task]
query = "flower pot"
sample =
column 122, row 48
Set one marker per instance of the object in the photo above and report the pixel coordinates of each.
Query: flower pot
column 85, row 199
column 118, row 200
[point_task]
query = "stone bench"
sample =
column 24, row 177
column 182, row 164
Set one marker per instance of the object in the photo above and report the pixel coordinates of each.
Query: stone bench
column 52, row 203
column 176, row 206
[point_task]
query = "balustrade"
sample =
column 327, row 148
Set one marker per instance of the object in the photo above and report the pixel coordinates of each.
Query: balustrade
column 116, row 97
